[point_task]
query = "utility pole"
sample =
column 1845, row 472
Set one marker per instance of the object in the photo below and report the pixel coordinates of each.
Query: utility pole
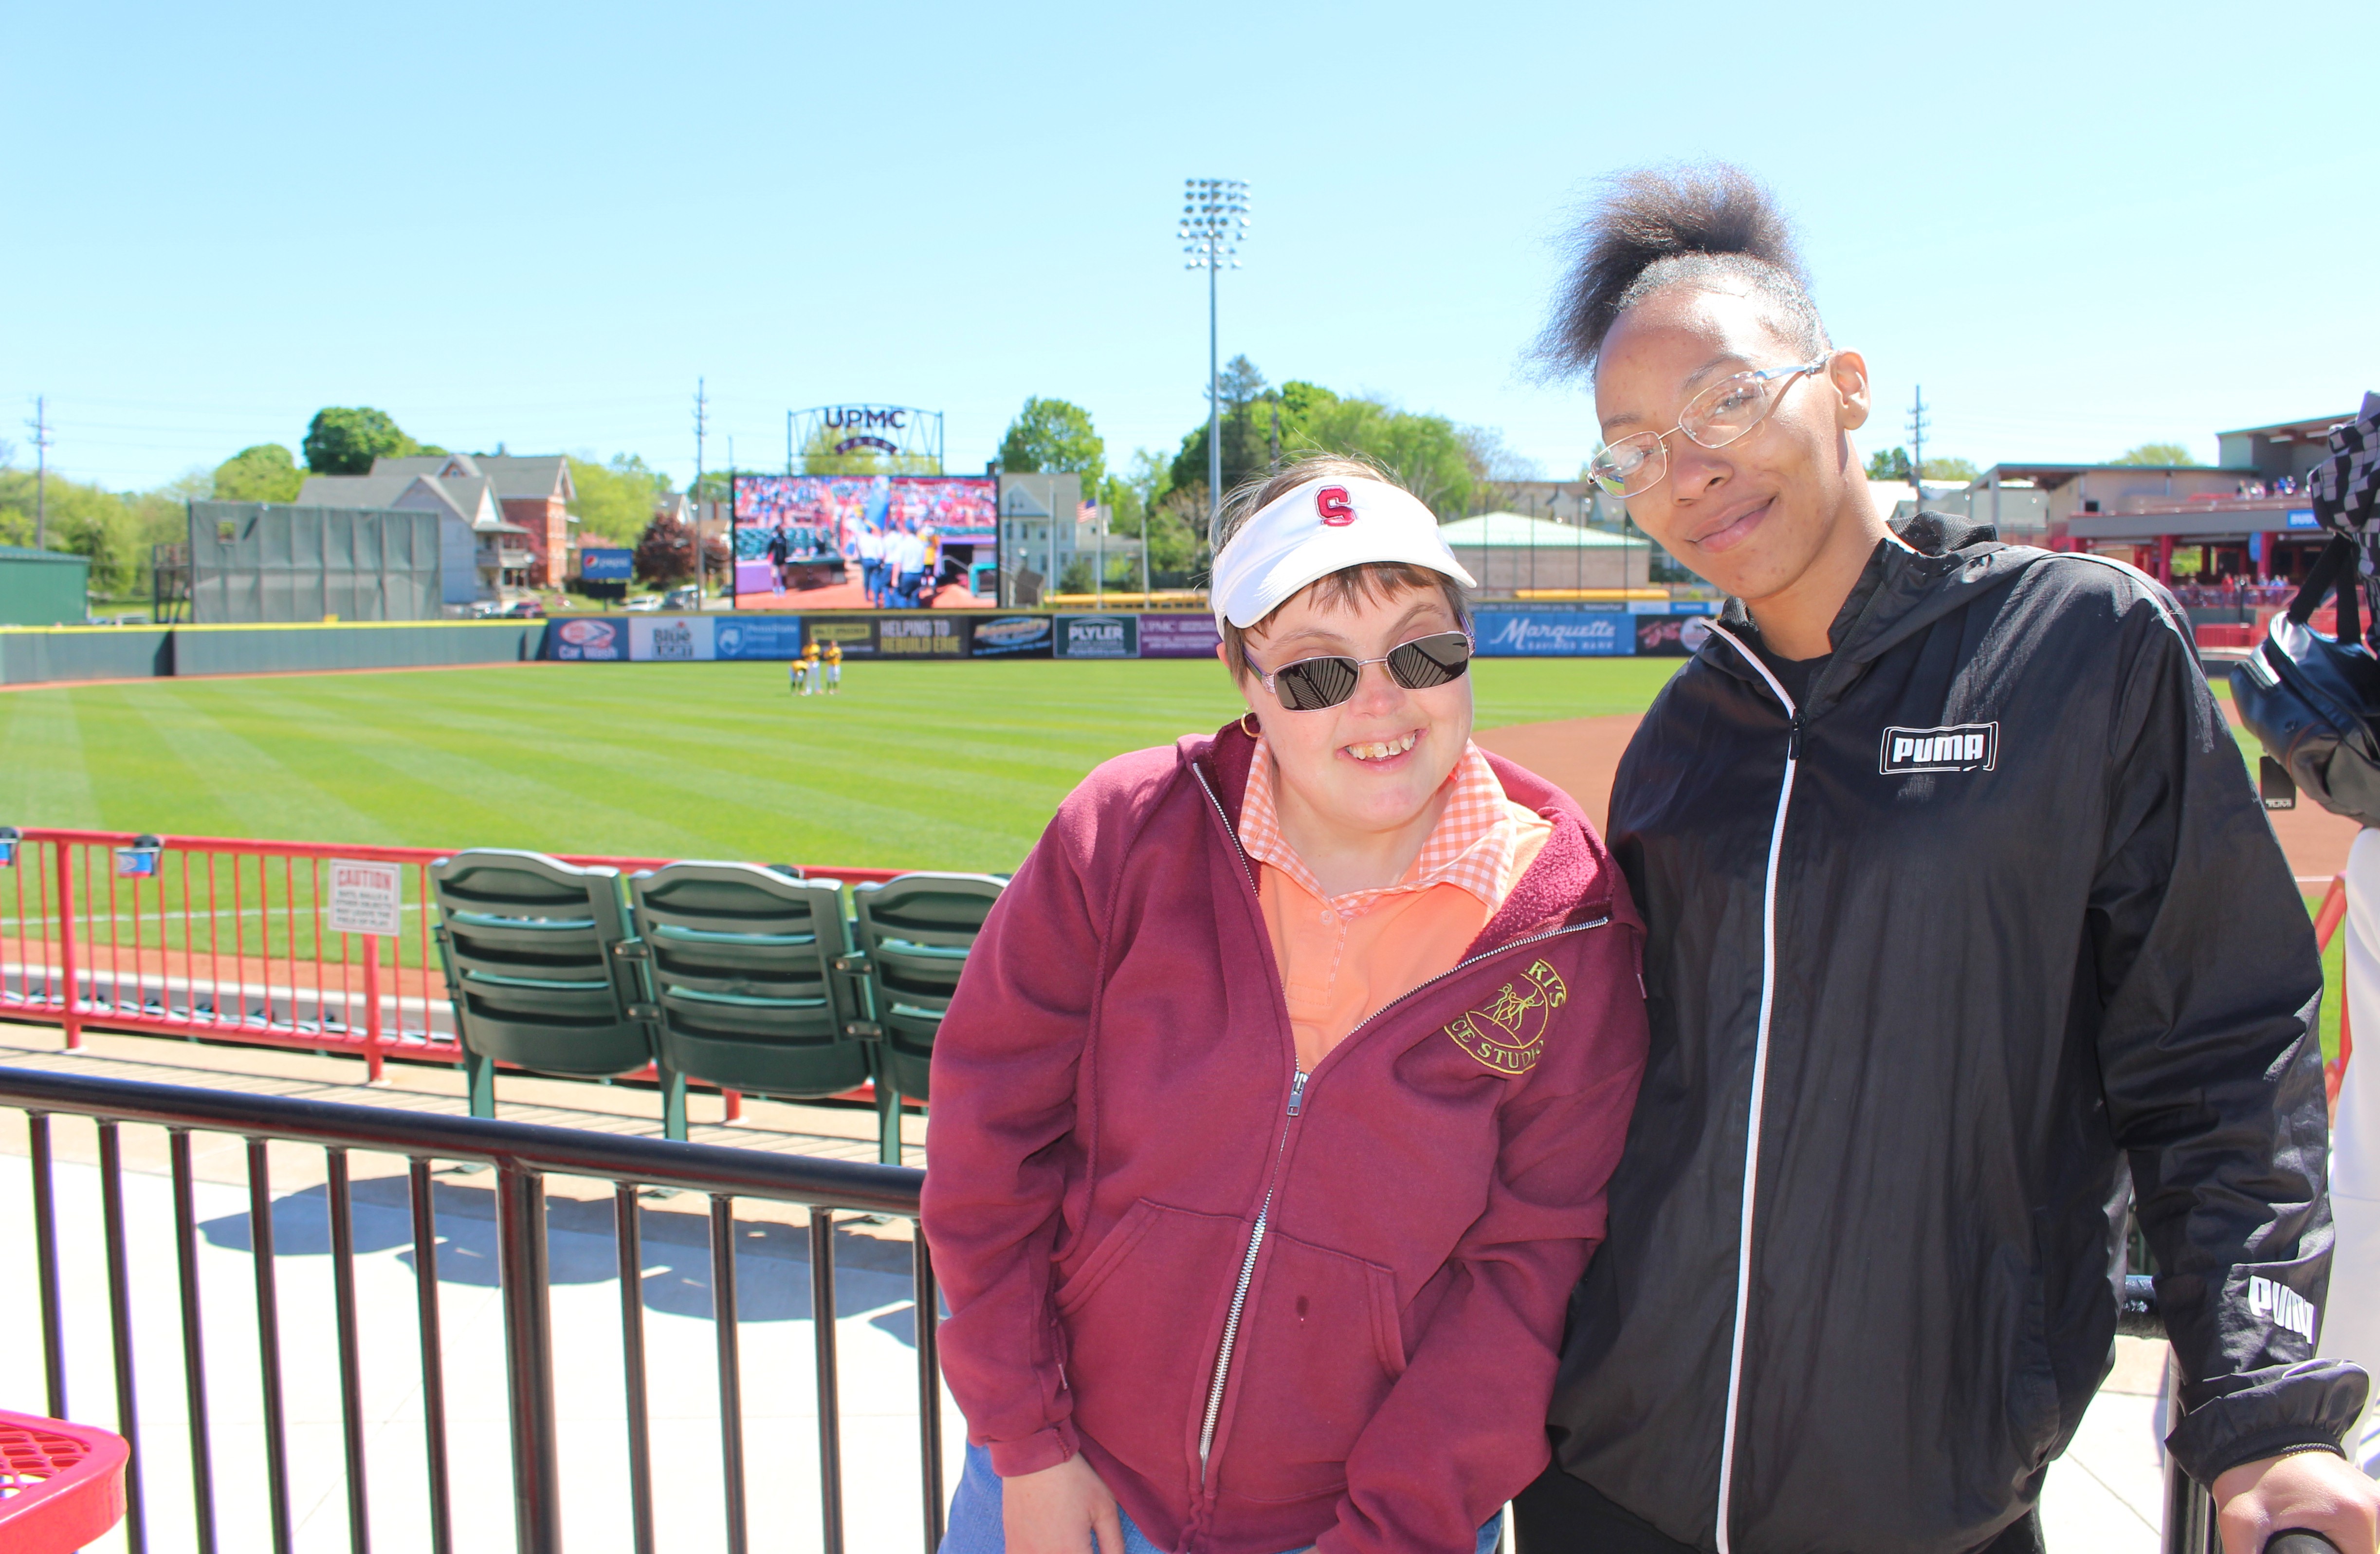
column 40, row 427
column 1917, row 446
column 701, row 425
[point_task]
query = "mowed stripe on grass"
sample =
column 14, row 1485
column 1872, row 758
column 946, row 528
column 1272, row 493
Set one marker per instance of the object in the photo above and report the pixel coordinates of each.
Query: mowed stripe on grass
column 920, row 766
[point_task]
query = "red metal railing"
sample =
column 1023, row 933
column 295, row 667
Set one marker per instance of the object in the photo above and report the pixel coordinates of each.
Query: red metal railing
column 226, row 939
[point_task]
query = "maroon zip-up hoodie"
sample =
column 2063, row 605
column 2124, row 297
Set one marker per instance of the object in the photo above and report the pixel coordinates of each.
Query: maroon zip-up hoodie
column 1271, row 1311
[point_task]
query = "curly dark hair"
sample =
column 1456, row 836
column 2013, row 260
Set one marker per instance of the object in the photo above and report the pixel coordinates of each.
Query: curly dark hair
column 1708, row 224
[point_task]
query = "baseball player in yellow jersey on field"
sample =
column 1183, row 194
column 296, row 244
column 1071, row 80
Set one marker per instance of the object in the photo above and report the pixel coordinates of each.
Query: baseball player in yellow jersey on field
column 833, row 657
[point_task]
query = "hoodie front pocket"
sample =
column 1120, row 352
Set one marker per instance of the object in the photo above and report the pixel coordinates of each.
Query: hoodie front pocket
column 1318, row 1353
column 1139, row 1316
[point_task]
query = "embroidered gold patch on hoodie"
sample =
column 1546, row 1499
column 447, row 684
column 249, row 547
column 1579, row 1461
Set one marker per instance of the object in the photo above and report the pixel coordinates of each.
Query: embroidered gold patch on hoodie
column 1510, row 1033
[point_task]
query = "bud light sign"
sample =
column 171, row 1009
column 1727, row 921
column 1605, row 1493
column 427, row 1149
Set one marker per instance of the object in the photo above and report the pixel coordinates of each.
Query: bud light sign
column 1555, row 633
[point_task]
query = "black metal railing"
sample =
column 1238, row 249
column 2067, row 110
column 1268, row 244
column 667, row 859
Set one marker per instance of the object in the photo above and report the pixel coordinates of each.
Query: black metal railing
column 522, row 1157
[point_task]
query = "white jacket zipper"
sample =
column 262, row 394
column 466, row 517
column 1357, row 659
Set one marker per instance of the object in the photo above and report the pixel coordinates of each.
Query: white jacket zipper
column 1759, row 1088
column 1296, row 1106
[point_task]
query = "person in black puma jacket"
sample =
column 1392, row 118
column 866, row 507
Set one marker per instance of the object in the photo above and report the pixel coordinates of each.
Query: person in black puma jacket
column 1966, row 931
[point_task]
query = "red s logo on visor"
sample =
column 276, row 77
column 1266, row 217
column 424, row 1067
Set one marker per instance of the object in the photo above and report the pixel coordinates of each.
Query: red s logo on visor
column 1337, row 509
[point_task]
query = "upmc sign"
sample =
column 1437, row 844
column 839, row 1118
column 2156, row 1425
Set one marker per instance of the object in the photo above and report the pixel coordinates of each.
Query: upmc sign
column 866, row 418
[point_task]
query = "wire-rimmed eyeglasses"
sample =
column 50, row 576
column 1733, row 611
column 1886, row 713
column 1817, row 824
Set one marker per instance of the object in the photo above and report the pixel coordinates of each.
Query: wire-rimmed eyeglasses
column 1716, row 416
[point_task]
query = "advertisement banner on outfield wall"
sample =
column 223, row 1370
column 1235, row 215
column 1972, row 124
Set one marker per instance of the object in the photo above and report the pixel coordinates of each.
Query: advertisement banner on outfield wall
column 1098, row 636
column 670, row 638
column 1012, row 637
column 775, row 637
column 1542, row 633
column 1673, row 637
column 1178, row 637
column 592, row 639
column 923, row 635
column 856, row 632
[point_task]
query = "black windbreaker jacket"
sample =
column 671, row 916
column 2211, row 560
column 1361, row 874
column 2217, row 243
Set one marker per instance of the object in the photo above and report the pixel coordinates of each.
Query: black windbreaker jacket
column 1988, row 939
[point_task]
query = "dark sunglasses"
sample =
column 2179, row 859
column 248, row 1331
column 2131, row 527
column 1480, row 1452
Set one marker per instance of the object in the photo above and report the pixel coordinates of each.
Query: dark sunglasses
column 1310, row 685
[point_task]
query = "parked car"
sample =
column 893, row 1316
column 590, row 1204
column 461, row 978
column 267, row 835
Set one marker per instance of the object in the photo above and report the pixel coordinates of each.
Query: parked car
column 525, row 609
column 645, row 601
column 682, row 599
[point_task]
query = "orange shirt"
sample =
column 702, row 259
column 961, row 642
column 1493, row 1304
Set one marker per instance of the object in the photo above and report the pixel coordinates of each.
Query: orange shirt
column 1343, row 958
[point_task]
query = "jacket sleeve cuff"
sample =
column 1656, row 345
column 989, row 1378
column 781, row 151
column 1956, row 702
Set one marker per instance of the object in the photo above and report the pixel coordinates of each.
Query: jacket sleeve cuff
column 1042, row 1449
column 2307, row 1406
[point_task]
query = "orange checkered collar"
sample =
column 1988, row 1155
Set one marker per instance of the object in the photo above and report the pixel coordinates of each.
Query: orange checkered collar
column 1472, row 846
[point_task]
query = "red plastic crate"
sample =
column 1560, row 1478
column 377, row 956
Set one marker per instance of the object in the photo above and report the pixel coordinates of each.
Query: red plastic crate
column 61, row 1485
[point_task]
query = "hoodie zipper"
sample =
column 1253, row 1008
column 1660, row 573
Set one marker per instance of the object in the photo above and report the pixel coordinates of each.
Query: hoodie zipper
column 1759, row 1086
column 1280, row 1148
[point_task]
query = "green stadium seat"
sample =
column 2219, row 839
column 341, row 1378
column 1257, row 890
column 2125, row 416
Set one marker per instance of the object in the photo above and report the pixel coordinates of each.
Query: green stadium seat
column 915, row 931
column 538, row 963
column 742, row 965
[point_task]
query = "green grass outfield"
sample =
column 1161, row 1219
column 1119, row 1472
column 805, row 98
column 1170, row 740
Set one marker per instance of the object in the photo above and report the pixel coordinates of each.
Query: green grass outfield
column 915, row 765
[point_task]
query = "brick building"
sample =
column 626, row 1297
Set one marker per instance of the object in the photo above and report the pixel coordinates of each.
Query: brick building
column 535, row 495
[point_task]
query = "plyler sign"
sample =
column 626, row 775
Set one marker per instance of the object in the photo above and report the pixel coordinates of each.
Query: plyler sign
column 366, row 898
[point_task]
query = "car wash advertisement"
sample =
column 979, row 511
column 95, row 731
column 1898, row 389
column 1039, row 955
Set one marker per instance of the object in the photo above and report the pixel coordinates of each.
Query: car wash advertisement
column 587, row 640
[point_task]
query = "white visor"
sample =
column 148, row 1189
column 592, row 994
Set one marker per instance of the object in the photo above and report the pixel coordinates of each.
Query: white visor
column 1327, row 525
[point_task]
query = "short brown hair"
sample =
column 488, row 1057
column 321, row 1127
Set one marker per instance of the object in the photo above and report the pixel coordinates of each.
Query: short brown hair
column 1371, row 582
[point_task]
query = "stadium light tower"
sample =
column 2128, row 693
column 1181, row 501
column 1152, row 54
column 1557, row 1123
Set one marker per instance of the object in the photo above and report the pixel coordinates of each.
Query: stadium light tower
column 1214, row 217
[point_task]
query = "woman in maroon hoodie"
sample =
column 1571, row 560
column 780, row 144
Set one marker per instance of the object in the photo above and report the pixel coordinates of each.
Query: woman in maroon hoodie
column 1272, row 1117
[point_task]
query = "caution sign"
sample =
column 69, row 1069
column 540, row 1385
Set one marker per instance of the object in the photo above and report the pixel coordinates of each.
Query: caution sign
column 367, row 898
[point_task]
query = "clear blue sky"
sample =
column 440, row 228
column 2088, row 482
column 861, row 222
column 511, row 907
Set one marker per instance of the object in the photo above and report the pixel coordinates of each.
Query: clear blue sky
column 2079, row 227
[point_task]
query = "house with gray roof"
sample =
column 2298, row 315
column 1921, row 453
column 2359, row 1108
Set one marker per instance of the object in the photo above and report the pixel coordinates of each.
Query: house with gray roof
column 481, row 553
column 534, row 493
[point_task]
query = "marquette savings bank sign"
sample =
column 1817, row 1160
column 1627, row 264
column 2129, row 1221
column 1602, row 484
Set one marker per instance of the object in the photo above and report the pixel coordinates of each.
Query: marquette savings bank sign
column 1556, row 634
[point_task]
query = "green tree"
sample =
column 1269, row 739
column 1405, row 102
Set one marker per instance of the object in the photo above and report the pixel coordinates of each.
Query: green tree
column 267, row 472
column 2167, row 454
column 344, row 441
column 1177, row 537
column 1428, row 454
column 1239, row 383
column 1425, row 453
column 819, row 457
column 616, row 499
column 1950, row 470
column 1053, row 437
column 1889, row 464
column 114, row 530
column 1247, row 447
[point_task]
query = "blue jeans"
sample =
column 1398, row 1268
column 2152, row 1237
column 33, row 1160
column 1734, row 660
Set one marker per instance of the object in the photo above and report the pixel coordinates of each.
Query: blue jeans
column 975, row 1526
column 871, row 579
